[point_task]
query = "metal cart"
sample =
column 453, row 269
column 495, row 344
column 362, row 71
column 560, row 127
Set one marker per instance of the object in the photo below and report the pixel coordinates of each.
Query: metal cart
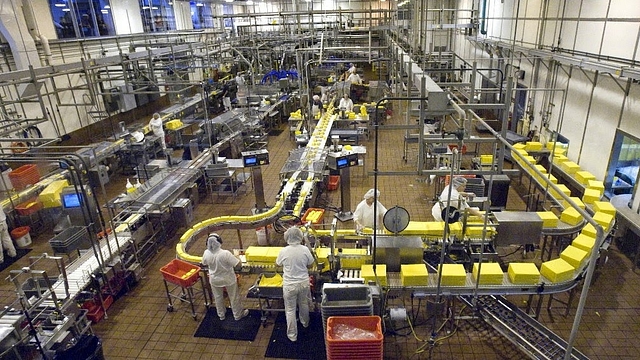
column 267, row 297
column 184, row 276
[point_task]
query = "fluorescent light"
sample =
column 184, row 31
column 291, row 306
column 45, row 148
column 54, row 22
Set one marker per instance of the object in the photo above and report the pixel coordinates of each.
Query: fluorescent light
column 60, row 5
column 249, row 2
column 104, row 11
column 199, row 4
column 145, row 8
column 66, row 9
column 228, row 0
column 154, row 8
column 107, row 7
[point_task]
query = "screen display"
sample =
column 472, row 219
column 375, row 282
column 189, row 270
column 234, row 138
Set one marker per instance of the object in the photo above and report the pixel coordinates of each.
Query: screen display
column 71, row 200
column 248, row 161
column 342, row 162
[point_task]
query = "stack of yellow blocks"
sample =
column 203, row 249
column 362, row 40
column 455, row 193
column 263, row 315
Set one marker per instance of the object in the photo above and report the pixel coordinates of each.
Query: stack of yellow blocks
column 605, row 207
column 576, row 200
column 571, row 216
column 50, row 196
column 414, row 275
column 574, row 256
column 590, row 196
column 262, row 254
column 596, row 185
column 490, row 274
column 524, row 273
column 583, row 177
column 584, row 242
column 570, row 167
column 453, row 275
column 603, row 219
column 366, row 272
column 533, row 146
column 557, row 270
column 549, row 219
column 434, row 228
column 415, row 228
column 354, row 258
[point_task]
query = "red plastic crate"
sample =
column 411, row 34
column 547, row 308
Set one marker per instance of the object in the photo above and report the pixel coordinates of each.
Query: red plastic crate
column 357, row 348
column 334, row 181
column 29, row 207
column 180, row 273
column 24, row 176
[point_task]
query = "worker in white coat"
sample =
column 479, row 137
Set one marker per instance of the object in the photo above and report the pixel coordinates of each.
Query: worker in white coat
column 155, row 125
column 5, row 239
column 457, row 202
column 346, row 104
column 363, row 216
column 221, row 264
column 295, row 260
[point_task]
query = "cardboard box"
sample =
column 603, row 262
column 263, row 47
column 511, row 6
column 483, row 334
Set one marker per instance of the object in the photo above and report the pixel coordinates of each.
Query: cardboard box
column 366, row 272
column 604, row 207
column 414, row 275
column 557, row 270
column 574, row 256
column 490, row 274
column 524, row 273
column 453, row 275
column 549, row 219
column 571, row 216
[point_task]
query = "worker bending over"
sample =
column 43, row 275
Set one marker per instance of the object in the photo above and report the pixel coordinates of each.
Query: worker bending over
column 363, row 216
column 458, row 201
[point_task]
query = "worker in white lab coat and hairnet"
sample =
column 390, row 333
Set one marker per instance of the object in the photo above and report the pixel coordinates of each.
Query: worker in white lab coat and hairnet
column 458, row 200
column 220, row 264
column 295, row 260
column 363, row 216
column 5, row 239
column 155, row 125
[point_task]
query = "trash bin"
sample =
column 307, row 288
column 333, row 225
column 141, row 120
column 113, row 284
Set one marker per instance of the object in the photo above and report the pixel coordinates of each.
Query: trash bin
column 21, row 236
column 88, row 347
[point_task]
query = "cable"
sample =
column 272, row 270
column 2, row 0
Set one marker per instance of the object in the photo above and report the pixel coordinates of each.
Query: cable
column 511, row 253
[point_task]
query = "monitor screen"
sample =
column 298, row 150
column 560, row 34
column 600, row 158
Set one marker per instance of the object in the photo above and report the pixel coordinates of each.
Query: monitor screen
column 71, row 200
column 249, row 161
column 342, row 162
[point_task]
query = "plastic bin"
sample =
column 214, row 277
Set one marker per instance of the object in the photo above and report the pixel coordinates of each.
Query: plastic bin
column 24, row 176
column 180, row 273
column 370, row 347
column 69, row 239
column 28, row 207
column 88, row 347
column 21, row 236
column 334, row 181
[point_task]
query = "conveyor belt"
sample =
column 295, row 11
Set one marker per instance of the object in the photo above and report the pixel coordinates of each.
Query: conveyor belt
column 522, row 330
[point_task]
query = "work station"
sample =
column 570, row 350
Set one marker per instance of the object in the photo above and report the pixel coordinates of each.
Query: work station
column 318, row 180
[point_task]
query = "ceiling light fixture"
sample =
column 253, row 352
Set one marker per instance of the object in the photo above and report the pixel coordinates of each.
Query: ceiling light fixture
column 249, row 2
column 60, row 5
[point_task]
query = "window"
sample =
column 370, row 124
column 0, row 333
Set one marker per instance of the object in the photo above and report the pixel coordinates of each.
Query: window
column 81, row 18
column 157, row 15
column 201, row 15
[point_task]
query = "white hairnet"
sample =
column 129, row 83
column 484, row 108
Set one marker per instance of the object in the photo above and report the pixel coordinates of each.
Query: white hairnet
column 214, row 242
column 369, row 194
column 316, row 97
column 293, row 236
column 458, row 181
column 156, row 115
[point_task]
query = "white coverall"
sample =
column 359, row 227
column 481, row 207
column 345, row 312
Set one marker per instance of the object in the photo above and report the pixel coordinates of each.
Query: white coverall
column 5, row 239
column 156, row 127
column 220, row 263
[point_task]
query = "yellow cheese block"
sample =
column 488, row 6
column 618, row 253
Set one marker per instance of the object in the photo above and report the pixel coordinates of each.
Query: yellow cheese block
column 590, row 196
column 530, row 159
column 596, row 185
column 540, row 168
column 354, row 258
column 434, row 228
column 453, row 275
column 271, row 280
column 603, row 219
column 323, row 255
column 574, row 256
column 474, row 229
column 570, row 167
column 571, row 216
column 272, row 254
column 50, row 196
column 519, row 146
column 551, row 178
column 557, row 270
column 589, row 230
column 515, row 152
column 455, row 229
column 256, row 253
column 533, row 146
column 524, row 273
column 173, row 124
column 563, row 188
column 584, row 242
column 366, row 272
column 575, row 200
column 583, row 177
column 414, row 228
column 414, row 275
column 486, row 159
column 490, row 273
column 605, row 207
column 549, row 219
column 559, row 158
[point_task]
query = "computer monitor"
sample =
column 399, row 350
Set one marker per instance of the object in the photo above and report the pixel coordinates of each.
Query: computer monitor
column 70, row 200
column 250, row 161
column 342, row 162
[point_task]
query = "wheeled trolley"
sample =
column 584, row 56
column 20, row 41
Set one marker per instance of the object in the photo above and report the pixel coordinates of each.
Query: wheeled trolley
column 268, row 290
column 184, row 276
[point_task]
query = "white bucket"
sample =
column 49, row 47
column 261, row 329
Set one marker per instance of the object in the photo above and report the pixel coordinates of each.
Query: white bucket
column 263, row 235
column 23, row 241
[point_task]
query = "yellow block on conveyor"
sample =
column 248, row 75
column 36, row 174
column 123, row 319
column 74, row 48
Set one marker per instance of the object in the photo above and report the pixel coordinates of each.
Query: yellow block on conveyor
column 475, row 226
column 455, row 229
column 559, row 158
column 549, row 219
column 574, row 256
column 453, row 275
column 366, row 272
column 486, row 159
column 533, row 146
column 570, row 167
column 354, row 258
column 434, row 228
column 603, row 219
column 557, row 270
column 576, row 200
column 416, row 228
column 589, row 230
column 590, row 196
column 596, row 185
column 584, row 242
column 50, row 196
column 540, row 168
column 583, row 177
column 551, row 178
column 490, row 273
column 262, row 254
column 414, row 275
column 271, row 280
column 563, row 188
column 571, row 216
column 323, row 254
column 524, row 273
column 605, row 207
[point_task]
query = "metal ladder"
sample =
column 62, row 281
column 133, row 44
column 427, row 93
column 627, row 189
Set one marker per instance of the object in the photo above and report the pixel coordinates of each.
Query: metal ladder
column 525, row 332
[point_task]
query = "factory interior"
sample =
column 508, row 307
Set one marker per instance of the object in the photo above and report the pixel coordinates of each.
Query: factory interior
column 132, row 130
